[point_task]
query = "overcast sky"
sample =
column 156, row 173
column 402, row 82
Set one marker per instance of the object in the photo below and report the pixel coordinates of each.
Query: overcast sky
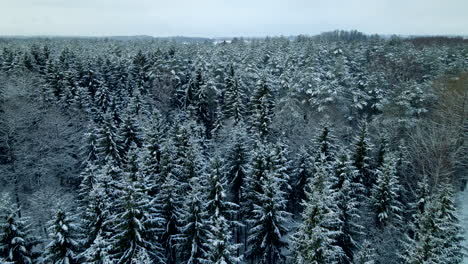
column 211, row 18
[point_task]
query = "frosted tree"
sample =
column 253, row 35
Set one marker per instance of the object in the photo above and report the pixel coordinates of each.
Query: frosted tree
column 315, row 240
column 129, row 132
column 94, row 214
column 154, row 138
column 448, row 222
column 384, row 197
column 133, row 225
column 348, row 215
column 109, row 141
column 262, row 104
column 325, row 144
column 64, row 246
column 235, row 97
column 361, row 158
column 98, row 253
column 192, row 242
column 217, row 202
column 366, row 254
column 422, row 247
column 302, row 174
column 268, row 223
column 168, row 203
column 237, row 164
column 281, row 165
column 16, row 239
column 221, row 249
column 90, row 149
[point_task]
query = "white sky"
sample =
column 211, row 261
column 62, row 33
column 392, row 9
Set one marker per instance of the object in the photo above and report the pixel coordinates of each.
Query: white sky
column 225, row 18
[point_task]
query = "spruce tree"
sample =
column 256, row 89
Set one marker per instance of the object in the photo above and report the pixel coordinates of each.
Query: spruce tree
column 235, row 97
column 315, row 240
column 361, row 158
column 217, row 203
column 366, row 254
column 448, row 222
column 98, row 253
column 64, row 246
column 384, row 197
column 133, row 225
column 221, row 249
column 192, row 244
column 16, row 239
column 302, row 174
column 168, row 203
column 268, row 223
column 109, row 141
column 129, row 132
column 262, row 104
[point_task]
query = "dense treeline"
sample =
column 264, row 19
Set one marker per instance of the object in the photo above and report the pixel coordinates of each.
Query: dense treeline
column 341, row 148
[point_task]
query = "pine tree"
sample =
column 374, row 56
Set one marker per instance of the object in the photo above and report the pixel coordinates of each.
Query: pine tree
column 192, row 244
column 325, row 144
column 154, row 138
column 281, row 165
column 221, row 250
column 365, row 255
column 235, row 97
column 448, row 223
column 129, row 132
column 16, row 239
column 133, row 225
column 348, row 215
column 315, row 239
column 64, row 246
column 302, row 174
column 237, row 165
column 361, row 158
column 168, row 203
column 423, row 247
column 94, row 213
column 268, row 223
column 217, row 203
column 258, row 171
column 384, row 197
column 109, row 141
column 98, row 253
column 262, row 104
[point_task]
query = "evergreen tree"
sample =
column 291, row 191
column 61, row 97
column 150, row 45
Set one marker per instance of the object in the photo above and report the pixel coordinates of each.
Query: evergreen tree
column 192, row 244
column 16, row 239
column 315, row 240
column 217, row 203
column 262, row 104
column 384, row 197
column 109, row 141
column 448, row 222
column 366, row 254
column 98, row 253
column 348, row 215
column 269, row 223
column 221, row 250
column 302, row 174
column 235, row 97
column 129, row 132
column 325, row 144
column 64, row 246
column 168, row 203
column 281, row 165
column 361, row 158
column 133, row 225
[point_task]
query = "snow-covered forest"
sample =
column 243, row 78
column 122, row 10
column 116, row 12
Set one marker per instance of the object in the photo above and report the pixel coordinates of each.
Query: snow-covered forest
column 336, row 148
